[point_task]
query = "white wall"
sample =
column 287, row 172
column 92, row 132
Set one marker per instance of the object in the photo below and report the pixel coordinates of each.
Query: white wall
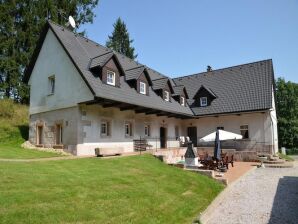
column 70, row 88
column 91, row 132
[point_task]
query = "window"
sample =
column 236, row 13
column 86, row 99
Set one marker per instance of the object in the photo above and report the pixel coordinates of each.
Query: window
column 52, row 84
column 143, row 88
column 105, row 128
column 203, row 101
column 176, row 132
column 128, row 129
column 182, row 101
column 147, row 130
column 111, row 78
column 220, row 128
column 167, row 96
column 244, row 131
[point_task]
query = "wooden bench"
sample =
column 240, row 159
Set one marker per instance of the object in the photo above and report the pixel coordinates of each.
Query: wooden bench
column 141, row 145
column 113, row 151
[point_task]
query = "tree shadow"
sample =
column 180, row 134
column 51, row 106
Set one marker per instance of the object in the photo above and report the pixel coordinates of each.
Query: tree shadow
column 24, row 131
column 285, row 203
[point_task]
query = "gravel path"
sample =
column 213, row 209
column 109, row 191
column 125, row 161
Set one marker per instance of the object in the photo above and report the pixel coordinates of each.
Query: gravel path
column 267, row 195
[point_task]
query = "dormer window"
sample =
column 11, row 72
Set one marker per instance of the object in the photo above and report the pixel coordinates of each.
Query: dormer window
column 111, row 78
column 167, row 96
column 203, row 101
column 182, row 101
column 143, row 88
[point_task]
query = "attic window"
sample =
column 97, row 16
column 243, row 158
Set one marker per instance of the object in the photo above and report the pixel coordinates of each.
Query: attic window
column 143, row 88
column 167, row 96
column 51, row 84
column 111, row 76
column 182, row 101
column 203, row 101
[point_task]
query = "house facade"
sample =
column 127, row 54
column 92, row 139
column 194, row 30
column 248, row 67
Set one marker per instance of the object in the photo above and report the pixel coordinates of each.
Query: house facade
column 84, row 96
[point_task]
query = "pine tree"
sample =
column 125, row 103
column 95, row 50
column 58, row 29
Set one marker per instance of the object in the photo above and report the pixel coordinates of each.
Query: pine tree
column 21, row 22
column 119, row 40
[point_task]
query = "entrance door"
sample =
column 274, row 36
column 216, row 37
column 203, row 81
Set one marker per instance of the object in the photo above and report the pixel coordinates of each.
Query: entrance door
column 163, row 137
column 39, row 135
column 192, row 134
column 58, row 134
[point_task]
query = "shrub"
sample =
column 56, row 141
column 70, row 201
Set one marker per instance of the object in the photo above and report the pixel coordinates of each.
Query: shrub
column 7, row 109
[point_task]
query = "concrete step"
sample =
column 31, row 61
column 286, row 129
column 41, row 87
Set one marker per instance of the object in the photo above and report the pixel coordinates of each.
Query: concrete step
column 284, row 165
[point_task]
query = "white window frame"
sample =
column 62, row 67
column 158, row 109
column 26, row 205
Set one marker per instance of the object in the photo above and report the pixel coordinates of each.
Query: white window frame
column 244, row 129
column 52, row 83
column 128, row 129
column 106, row 128
column 167, row 96
column 203, row 101
column 182, row 101
column 111, row 81
column 143, row 90
column 147, row 130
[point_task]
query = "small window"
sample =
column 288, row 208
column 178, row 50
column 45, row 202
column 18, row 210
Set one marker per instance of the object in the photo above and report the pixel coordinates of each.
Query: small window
column 111, row 78
column 203, row 101
column 51, row 85
column 244, row 131
column 105, row 128
column 167, row 96
column 182, row 101
column 220, row 128
column 128, row 129
column 176, row 132
column 147, row 130
column 143, row 88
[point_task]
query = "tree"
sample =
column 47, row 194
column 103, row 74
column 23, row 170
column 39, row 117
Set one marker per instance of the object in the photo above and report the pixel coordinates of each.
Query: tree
column 21, row 22
column 119, row 40
column 287, row 113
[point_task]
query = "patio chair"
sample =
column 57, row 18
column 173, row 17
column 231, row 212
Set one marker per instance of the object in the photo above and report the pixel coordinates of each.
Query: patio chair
column 228, row 159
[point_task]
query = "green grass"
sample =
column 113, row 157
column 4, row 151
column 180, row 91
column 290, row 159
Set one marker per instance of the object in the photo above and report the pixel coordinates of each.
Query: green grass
column 285, row 157
column 138, row 189
column 14, row 131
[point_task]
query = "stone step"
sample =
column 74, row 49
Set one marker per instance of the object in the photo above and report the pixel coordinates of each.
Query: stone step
column 280, row 161
column 284, row 165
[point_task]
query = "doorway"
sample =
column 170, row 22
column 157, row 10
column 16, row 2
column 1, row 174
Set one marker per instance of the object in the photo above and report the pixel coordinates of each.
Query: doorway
column 39, row 135
column 58, row 134
column 163, row 137
column 192, row 134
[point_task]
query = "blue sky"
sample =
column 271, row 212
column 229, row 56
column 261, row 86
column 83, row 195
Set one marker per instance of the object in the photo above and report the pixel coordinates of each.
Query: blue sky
column 183, row 37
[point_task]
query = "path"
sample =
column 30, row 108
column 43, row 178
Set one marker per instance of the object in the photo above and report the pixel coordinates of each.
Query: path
column 267, row 195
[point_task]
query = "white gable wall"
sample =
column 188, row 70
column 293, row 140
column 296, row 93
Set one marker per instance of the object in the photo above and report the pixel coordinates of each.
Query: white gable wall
column 70, row 88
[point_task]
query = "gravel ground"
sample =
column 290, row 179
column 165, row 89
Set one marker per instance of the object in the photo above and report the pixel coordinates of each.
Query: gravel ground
column 268, row 195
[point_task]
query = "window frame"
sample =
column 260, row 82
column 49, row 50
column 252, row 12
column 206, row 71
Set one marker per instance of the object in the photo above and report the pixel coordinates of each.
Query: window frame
column 130, row 129
column 51, row 84
column 148, row 132
column 167, row 96
column 144, row 85
column 113, row 83
column 106, row 128
column 244, row 129
column 201, row 101
column 183, row 101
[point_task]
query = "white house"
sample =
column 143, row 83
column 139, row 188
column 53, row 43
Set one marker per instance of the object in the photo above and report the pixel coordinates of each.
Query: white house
column 84, row 95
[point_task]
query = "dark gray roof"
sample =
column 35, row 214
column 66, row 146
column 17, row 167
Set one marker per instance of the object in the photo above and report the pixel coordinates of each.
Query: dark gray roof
column 208, row 89
column 179, row 90
column 83, row 51
column 240, row 88
column 134, row 73
column 101, row 60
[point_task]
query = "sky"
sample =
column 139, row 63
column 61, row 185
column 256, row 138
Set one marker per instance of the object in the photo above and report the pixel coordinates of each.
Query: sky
column 182, row 37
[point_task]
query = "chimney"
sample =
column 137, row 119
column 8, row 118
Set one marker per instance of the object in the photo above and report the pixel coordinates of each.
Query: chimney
column 209, row 68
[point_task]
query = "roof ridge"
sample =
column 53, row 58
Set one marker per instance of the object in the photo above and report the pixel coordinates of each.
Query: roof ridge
column 200, row 73
column 102, row 54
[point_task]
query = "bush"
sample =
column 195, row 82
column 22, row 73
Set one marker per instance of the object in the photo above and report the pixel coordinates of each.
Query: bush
column 292, row 151
column 7, row 109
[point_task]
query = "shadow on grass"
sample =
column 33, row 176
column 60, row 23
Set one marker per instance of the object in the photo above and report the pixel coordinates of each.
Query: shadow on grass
column 285, row 203
column 24, row 131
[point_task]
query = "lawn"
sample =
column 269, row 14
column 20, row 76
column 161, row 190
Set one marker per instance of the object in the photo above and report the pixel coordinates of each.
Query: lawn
column 137, row 189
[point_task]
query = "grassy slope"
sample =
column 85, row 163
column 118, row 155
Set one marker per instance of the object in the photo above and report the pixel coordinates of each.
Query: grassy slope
column 138, row 189
column 14, row 131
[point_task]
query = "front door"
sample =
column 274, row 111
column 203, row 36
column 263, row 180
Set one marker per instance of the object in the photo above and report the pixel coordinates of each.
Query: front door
column 192, row 134
column 163, row 137
column 58, row 134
